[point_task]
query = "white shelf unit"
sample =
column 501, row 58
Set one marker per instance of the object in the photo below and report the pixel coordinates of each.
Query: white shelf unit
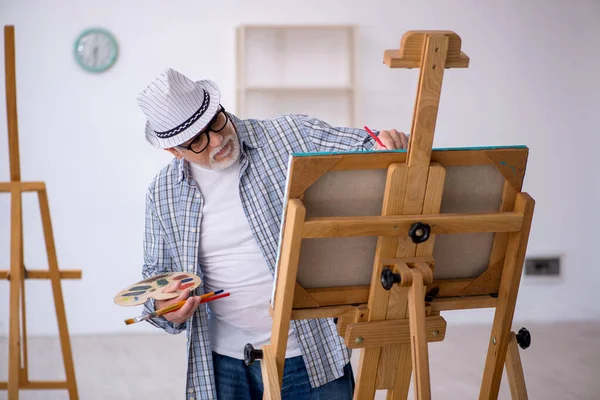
column 303, row 69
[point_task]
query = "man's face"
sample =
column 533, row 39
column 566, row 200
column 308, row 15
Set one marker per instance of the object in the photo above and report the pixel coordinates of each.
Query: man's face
column 217, row 150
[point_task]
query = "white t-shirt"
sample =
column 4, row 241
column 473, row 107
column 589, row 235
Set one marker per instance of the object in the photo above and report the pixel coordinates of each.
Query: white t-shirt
column 231, row 260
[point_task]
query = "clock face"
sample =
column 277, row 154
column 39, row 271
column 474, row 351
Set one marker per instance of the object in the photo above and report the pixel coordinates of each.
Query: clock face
column 96, row 50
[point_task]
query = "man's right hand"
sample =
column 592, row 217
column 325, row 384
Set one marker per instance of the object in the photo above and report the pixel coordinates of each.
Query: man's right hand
column 185, row 312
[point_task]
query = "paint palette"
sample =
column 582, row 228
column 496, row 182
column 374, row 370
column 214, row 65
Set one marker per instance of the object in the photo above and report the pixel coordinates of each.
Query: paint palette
column 151, row 287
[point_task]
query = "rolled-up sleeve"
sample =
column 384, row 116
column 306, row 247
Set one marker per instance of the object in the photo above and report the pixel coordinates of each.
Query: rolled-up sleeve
column 328, row 138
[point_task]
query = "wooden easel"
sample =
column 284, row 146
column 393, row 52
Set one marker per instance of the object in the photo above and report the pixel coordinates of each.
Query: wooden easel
column 17, row 360
column 394, row 317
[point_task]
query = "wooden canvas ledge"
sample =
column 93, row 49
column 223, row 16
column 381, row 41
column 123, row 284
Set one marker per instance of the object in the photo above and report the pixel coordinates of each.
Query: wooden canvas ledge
column 385, row 242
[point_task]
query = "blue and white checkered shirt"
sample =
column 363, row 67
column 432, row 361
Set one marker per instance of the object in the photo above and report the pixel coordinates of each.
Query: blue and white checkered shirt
column 174, row 218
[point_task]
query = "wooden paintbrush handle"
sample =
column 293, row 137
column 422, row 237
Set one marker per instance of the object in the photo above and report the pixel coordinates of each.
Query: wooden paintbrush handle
column 174, row 307
column 171, row 308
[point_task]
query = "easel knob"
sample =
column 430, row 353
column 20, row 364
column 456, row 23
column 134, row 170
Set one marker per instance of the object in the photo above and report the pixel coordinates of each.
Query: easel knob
column 524, row 338
column 388, row 278
column 251, row 354
column 419, row 232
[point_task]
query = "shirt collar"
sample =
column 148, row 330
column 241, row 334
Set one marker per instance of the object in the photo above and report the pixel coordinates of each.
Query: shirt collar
column 183, row 169
column 248, row 135
column 248, row 132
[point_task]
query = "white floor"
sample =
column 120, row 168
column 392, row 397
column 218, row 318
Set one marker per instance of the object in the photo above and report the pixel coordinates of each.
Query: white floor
column 562, row 363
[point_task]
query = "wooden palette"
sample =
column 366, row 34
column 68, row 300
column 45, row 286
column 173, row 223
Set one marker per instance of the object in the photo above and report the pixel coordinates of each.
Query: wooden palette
column 151, row 287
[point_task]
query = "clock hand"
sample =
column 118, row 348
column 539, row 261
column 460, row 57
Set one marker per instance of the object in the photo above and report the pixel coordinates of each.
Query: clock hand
column 95, row 56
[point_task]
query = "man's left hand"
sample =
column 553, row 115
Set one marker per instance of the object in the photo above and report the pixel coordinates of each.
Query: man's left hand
column 392, row 139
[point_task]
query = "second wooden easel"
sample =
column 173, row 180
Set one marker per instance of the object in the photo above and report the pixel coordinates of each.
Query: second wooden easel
column 18, row 375
column 394, row 317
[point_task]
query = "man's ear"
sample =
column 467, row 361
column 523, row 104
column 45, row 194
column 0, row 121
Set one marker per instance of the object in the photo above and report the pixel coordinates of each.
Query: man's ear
column 174, row 152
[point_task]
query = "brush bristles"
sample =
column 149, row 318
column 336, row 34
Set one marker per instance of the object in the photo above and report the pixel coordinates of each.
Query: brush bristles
column 135, row 320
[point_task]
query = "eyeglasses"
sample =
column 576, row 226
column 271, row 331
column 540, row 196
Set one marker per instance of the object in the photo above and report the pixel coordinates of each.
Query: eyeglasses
column 202, row 140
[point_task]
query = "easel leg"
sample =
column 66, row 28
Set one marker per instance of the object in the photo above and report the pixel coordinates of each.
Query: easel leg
column 58, row 297
column 24, row 376
column 272, row 388
column 16, row 268
column 273, row 354
column 403, row 375
column 420, row 354
column 514, row 370
column 507, row 299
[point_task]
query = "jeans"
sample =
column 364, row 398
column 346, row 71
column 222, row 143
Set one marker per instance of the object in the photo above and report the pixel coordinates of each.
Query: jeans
column 236, row 381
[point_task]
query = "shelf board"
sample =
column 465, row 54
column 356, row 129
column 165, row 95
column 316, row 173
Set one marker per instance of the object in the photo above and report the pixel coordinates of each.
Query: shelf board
column 308, row 89
column 298, row 27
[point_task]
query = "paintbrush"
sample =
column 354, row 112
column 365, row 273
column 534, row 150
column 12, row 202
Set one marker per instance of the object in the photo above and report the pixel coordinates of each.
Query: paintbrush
column 375, row 137
column 205, row 298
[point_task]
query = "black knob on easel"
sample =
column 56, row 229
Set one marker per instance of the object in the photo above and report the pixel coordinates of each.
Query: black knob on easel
column 431, row 294
column 524, row 338
column 251, row 354
column 419, row 232
column 388, row 278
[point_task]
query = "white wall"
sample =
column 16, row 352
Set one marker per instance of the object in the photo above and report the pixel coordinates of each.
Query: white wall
column 533, row 80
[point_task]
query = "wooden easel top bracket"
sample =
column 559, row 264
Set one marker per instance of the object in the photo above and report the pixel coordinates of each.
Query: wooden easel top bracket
column 411, row 50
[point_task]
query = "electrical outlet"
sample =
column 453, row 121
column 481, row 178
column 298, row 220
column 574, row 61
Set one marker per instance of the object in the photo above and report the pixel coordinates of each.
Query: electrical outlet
column 542, row 266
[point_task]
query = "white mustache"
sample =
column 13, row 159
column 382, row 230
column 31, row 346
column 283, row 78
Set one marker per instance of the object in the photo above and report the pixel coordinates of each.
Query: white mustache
column 223, row 145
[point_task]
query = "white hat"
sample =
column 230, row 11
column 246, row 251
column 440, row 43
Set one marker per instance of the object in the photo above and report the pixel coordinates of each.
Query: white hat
column 177, row 108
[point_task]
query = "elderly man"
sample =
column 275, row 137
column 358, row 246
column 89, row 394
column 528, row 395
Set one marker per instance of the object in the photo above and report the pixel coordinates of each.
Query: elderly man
column 215, row 210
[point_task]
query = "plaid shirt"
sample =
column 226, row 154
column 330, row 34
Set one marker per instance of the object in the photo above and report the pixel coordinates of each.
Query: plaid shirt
column 174, row 219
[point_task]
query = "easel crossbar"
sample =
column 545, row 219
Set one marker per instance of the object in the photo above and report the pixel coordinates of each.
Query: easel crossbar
column 463, row 303
column 22, row 186
column 37, row 385
column 334, row 302
column 397, row 225
column 43, row 274
column 397, row 331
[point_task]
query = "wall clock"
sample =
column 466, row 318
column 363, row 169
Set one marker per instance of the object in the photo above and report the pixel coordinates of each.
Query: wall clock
column 96, row 50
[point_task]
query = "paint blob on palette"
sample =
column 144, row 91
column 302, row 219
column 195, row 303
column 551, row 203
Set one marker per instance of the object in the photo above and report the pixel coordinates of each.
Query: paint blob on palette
column 151, row 287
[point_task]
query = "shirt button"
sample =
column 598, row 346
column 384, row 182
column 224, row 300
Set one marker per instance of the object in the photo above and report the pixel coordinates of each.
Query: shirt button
column 197, row 194
column 193, row 230
column 190, row 266
column 191, row 390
